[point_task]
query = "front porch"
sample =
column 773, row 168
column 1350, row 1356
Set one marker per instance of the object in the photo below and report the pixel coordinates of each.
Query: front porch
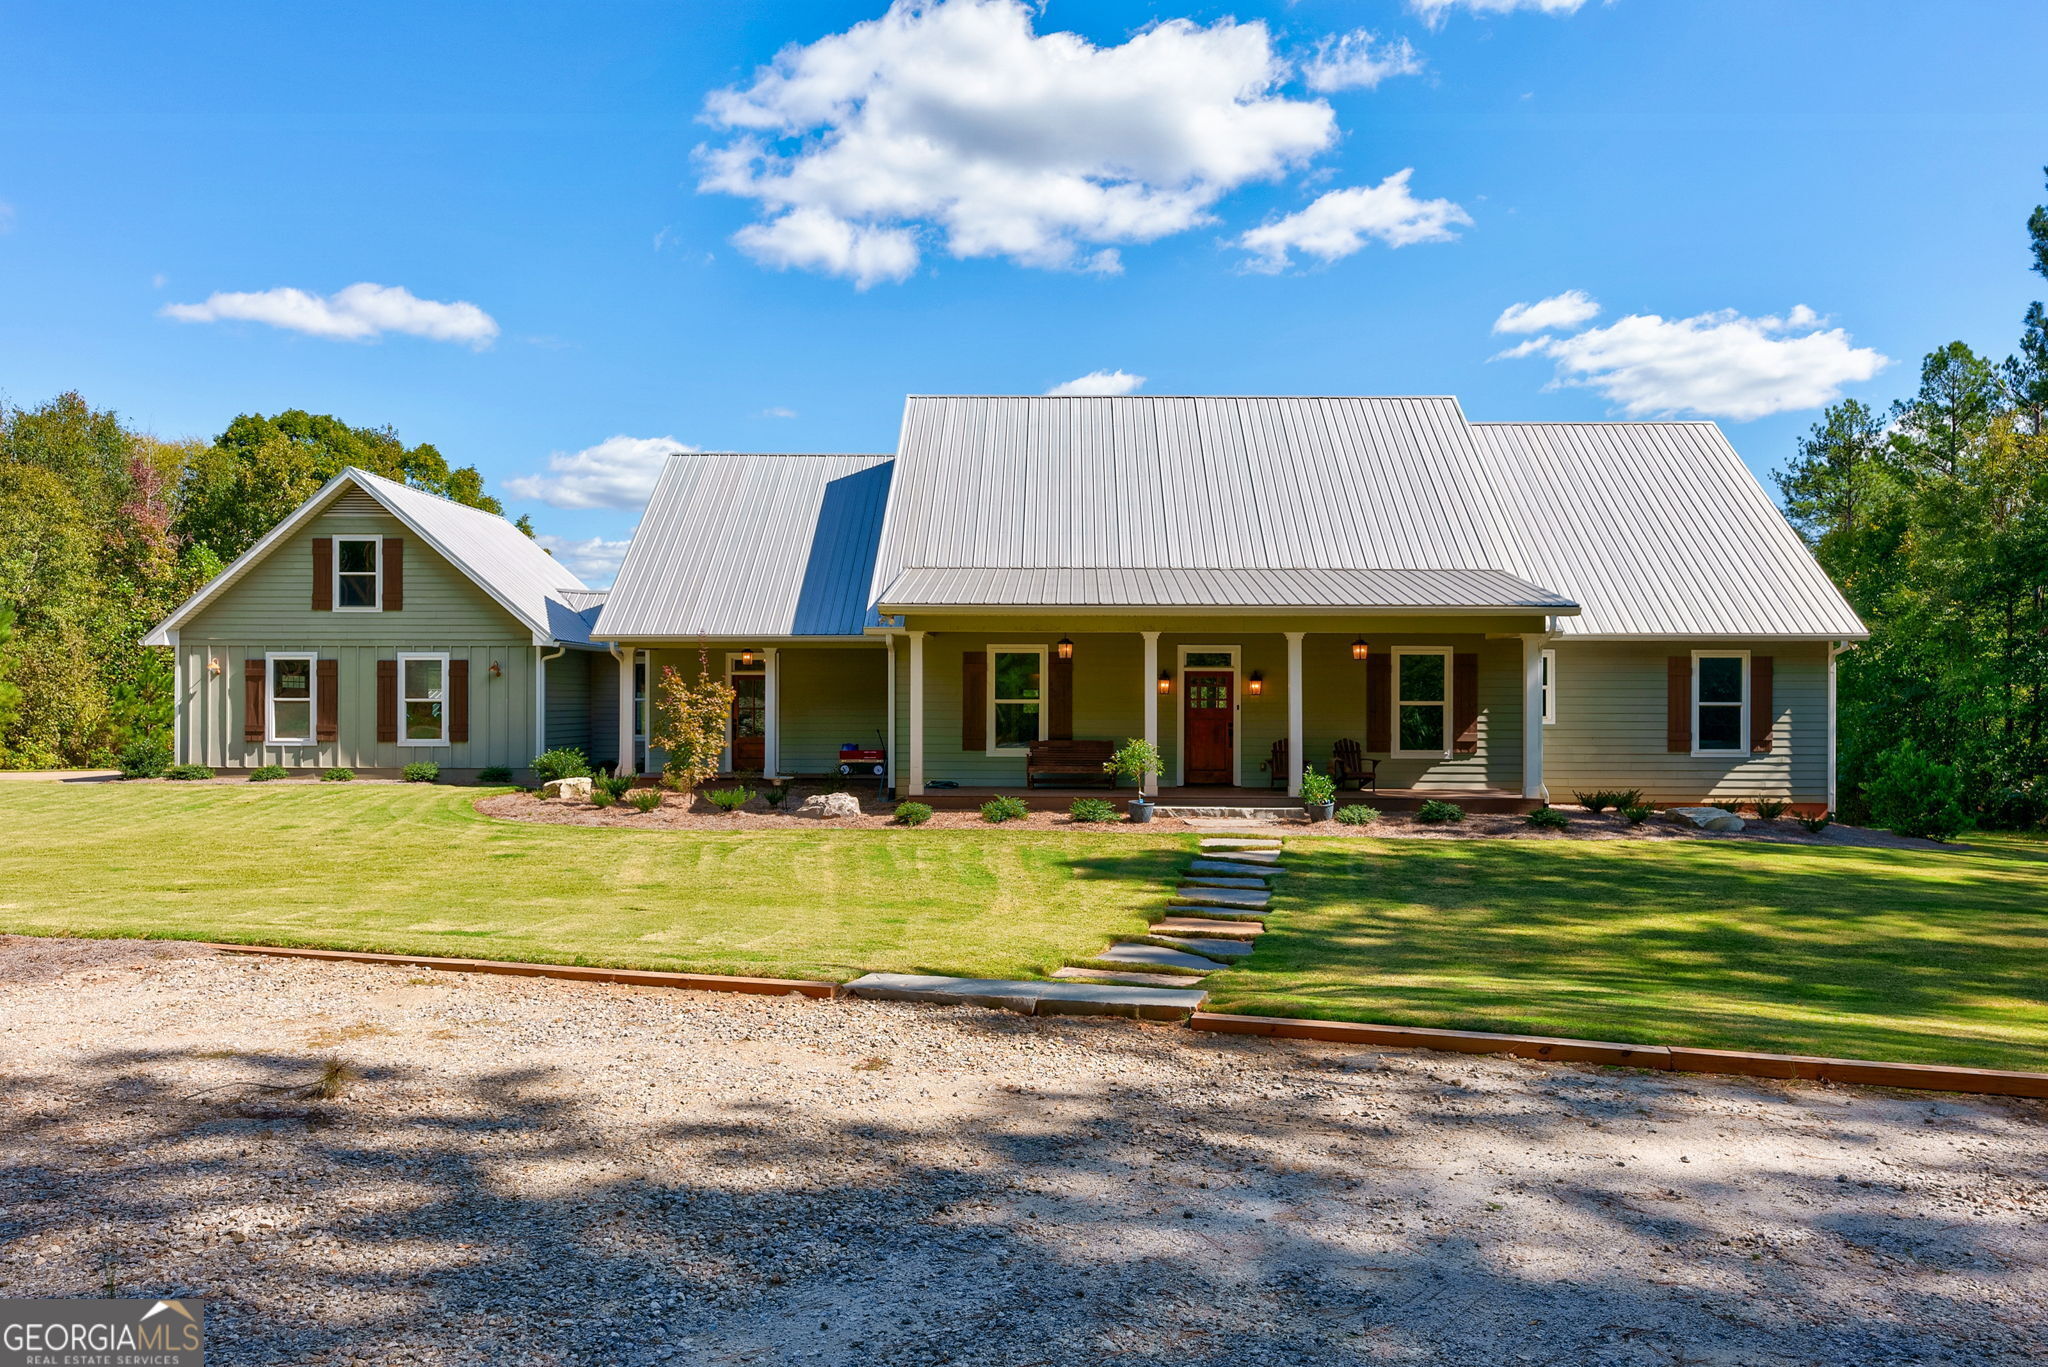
column 1188, row 800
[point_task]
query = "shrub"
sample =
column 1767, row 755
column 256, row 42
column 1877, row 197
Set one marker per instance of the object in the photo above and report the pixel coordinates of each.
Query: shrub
column 1435, row 811
column 188, row 773
column 600, row 798
column 145, row 758
column 1133, row 760
column 2017, row 806
column 496, row 773
column 912, row 813
column 1910, row 793
column 644, row 800
column 1357, row 814
column 1637, row 813
column 997, row 810
column 1548, row 819
column 613, row 786
column 1596, row 802
column 730, row 800
column 268, row 773
column 775, row 794
column 1814, row 825
column 1092, row 809
column 561, row 763
column 1768, row 808
column 1316, row 789
column 1730, row 805
column 421, row 771
column 338, row 776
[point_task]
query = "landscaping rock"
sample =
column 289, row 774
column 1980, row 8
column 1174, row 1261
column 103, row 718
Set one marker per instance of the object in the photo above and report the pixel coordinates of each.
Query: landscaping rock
column 1707, row 818
column 826, row 806
column 566, row 790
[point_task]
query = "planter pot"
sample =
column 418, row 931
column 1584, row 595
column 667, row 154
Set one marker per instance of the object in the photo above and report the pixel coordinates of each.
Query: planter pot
column 1320, row 811
column 1140, row 809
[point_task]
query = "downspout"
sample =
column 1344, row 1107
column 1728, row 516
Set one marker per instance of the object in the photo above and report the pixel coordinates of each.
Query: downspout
column 540, row 697
column 1836, row 649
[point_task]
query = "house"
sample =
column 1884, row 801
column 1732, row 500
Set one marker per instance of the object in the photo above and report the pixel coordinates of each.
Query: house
column 1491, row 611
column 378, row 625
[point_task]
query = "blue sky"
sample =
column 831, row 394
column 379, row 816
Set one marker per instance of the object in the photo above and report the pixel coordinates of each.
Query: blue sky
column 657, row 235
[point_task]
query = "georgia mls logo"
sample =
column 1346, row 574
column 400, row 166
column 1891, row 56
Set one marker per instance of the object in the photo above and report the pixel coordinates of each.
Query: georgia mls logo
column 110, row 1333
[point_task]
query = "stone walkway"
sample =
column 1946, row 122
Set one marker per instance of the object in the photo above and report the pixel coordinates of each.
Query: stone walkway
column 1213, row 919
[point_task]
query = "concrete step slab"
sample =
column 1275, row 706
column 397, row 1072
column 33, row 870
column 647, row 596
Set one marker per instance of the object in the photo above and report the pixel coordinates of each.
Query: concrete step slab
column 1206, row 925
column 1225, row 913
column 1220, row 880
column 1233, row 868
column 1248, row 899
column 1157, row 957
column 1034, row 997
column 1132, row 979
column 1225, row 949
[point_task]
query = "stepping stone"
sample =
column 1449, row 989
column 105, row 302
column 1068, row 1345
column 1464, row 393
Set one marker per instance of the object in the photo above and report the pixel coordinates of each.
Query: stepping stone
column 1157, row 956
column 1246, row 899
column 1226, row 949
column 1097, row 975
column 1247, row 914
column 1232, row 869
column 1203, row 925
column 1035, row 998
column 1217, row 880
column 1224, row 842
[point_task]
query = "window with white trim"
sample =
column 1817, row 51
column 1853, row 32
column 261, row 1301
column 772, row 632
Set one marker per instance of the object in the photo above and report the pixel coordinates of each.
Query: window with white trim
column 1549, row 668
column 1016, row 697
column 1720, row 702
column 423, row 699
column 1422, row 701
column 293, row 686
column 358, row 577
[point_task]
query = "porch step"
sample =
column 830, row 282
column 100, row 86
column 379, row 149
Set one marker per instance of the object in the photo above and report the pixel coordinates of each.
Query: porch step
column 1240, row 899
column 1039, row 998
column 1132, row 979
column 1222, row 913
column 1236, row 866
column 1204, row 925
column 1156, row 957
column 1215, row 949
column 1241, row 842
column 1228, row 813
column 1221, row 880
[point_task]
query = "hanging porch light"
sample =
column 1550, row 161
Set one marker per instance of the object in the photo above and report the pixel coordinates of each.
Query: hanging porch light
column 1165, row 682
column 1065, row 648
column 1359, row 649
column 1256, row 684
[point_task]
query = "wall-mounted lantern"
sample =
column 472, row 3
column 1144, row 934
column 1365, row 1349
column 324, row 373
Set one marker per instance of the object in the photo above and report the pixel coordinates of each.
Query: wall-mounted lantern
column 1065, row 648
column 1358, row 649
column 213, row 666
column 1165, row 682
column 747, row 659
column 497, row 672
column 1256, row 684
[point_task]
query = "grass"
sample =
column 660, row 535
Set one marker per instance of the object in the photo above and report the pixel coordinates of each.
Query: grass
column 413, row 869
column 1915, row 956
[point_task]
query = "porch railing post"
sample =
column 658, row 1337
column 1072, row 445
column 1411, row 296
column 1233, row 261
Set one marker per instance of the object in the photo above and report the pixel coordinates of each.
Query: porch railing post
column 1297, row 753
column 916, row 714
column 771, row 719
column 889, row 702
column 627, row 759
column 1149, row 698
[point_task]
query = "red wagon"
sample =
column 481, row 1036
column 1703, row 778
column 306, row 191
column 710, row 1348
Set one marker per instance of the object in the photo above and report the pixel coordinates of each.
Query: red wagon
column 855, row 758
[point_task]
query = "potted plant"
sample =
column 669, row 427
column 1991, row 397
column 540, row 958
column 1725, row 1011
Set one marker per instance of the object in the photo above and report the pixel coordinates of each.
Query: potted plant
column 1318, row 794
column 1134, row 759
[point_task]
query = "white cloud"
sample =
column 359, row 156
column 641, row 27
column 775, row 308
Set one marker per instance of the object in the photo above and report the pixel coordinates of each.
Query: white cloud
column 1098, row 382
column 1566, row 310
column 1339, row 223
column 1717, row 365
column 1434, row 11
column 778, row 412
column 1354, row 61
column 955, row 120
column 618, row 472
column 595, row 559
column 362, row 312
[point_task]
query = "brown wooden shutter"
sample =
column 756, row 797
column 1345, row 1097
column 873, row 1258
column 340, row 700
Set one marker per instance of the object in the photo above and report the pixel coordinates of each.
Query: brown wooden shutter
column 323, row 574
column 1761, row 713
column 1678, row 704
column 387, row 702
column 1059, row 697
column 974, row 700
column 458, row 700
column 1465, row 703
column 394, row 574
column 252, row 700
column 327, row 698
column 1379, row 703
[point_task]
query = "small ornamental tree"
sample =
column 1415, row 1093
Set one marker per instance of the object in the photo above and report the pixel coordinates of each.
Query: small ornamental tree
column 690, row 717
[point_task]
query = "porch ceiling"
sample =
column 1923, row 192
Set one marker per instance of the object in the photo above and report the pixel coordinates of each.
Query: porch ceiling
column 1352, row 590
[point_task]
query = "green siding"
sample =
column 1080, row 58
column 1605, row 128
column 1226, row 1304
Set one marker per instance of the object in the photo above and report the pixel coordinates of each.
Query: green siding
column 569, row 701
column 829, row 697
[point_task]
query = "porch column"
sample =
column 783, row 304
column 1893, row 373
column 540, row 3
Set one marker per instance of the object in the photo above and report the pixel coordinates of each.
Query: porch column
column 771, row 714
column 1532, row 713
column 626, row 756
column 1149, row 694
column 889, row 706
column 916, row 714
column 1296, row 745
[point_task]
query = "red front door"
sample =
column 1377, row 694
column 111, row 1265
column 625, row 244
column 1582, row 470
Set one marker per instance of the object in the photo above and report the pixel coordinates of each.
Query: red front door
column 1211, row 715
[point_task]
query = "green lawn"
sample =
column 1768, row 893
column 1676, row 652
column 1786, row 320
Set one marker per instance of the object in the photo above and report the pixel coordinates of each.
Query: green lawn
column 413, row 869
column 1930, row 957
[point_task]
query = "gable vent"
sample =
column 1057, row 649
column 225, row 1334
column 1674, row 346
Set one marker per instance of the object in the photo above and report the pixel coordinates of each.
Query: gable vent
column 356, row 503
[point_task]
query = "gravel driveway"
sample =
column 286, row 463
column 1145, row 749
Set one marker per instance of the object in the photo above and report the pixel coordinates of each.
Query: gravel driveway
column 530, row 1171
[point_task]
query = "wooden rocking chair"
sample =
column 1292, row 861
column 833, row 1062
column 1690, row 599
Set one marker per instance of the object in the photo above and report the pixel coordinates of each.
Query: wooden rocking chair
column 1348, row 765
column 1276, row 767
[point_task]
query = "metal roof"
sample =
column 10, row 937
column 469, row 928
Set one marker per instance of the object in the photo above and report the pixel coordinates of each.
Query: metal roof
column 752, row 545
column 1657, row 529
column 500, row 559
column 1387, row 590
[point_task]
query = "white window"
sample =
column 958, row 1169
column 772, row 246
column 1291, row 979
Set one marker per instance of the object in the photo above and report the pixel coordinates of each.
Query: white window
column 1422, row 701
column 292, row 698
column 1016, row 697
column 358, row 573
column 1720, row 702
column 1549, row 687
column 423, row 699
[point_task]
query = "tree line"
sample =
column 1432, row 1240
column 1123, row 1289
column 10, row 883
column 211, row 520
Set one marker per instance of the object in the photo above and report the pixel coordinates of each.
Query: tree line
column 104, row 530
column 1932, row 516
